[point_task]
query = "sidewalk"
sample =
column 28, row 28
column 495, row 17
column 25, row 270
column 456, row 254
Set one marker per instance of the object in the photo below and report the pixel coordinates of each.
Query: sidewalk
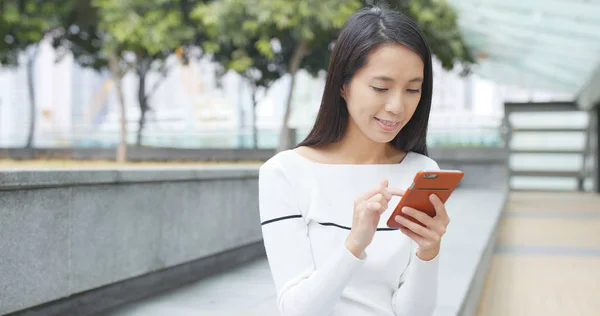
column 247, row 290
column 548, row 257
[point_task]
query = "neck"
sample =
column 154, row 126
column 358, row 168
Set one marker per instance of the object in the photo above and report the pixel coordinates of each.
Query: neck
column 356, row 148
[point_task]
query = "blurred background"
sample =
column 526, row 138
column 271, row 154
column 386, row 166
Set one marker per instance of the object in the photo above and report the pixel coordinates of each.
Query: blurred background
column 124, row 125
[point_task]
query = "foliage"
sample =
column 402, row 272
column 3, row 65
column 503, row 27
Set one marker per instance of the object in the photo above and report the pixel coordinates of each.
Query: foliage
column 239, row 24
column 149, row 32
column 24, row 23
column 78, row 34
column 281, row 36
column 438, row 21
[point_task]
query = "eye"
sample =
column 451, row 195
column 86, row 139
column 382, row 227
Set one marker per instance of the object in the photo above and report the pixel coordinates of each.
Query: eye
column 414, row 90
column 378, row 89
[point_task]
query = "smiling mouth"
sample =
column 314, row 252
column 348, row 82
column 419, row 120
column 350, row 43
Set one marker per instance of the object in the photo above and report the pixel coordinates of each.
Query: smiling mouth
column 387, row 125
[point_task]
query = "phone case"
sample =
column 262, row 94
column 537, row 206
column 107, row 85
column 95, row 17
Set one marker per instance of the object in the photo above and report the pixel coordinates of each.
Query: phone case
column 441, row 183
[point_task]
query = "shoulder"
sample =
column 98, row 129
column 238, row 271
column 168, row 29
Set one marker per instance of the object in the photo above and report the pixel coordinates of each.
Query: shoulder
column 280, row 180
column 424, row 162
column 280, row 166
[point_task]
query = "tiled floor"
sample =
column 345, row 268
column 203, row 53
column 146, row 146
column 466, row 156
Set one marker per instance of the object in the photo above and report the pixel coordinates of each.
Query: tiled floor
column 548, row 257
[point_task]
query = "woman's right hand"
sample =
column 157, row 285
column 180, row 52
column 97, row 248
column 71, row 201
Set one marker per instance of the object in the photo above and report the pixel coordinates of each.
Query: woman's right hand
column 368, row 207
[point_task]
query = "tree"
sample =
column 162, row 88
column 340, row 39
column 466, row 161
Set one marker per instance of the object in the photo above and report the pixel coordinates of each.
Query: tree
column 438, row 21
column 80, row 35
column 302, row 29
column 102, row 34
column 150, row 32
column 23, row 24
column 305, row 30
column 258, row 70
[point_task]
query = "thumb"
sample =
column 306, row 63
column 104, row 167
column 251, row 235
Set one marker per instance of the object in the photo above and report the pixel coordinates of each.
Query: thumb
column 384, row 183
column 384, row 189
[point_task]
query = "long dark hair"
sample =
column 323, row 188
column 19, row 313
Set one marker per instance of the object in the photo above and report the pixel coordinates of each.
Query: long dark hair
column 364, row 31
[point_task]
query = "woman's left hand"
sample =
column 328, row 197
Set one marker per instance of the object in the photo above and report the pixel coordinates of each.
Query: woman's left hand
column 428, row 238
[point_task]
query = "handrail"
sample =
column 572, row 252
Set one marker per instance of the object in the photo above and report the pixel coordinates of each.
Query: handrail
column 558, row 106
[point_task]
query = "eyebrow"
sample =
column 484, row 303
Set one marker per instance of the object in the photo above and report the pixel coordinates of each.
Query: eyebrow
column 385, row 78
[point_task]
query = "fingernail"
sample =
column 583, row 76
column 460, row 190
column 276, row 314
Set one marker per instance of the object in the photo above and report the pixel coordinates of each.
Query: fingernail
column 404, row 209
column 398, row 218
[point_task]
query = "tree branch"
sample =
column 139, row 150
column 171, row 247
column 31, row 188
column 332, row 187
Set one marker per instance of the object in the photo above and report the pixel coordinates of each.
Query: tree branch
column 157, row 84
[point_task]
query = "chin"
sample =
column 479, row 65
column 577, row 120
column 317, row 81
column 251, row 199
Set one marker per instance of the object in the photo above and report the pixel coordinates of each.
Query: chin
column 383, row 139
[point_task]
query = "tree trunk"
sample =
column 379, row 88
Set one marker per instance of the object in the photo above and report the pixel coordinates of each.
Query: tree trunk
column 116, row 75
column 31, row 87
column 299, row 52
column 254, row 129
column 143, row 103
column 145, row 96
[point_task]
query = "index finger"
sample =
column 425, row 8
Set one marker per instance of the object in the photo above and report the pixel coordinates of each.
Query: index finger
column 381, row 188
column 369, row 194
column 396, row 191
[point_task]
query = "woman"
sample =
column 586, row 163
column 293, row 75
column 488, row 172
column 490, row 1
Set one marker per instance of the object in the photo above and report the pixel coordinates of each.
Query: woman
column 324, row 204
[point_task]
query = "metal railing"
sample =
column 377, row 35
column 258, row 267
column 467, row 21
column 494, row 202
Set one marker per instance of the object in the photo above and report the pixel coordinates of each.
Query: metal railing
column 267, row 138
column 551, row 147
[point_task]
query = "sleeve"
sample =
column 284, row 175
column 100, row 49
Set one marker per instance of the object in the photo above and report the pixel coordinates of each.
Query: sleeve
column 417, row 294
column 302, row 288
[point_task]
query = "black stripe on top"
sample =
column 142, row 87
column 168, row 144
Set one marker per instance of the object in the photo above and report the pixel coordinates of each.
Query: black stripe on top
column 280, row 219
column 324, row 224
column 348, row 228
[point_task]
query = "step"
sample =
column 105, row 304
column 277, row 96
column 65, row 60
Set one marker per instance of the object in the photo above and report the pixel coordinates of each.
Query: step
column 566, row 106
column 548, row 130
column 545, row 173
column 546, row 151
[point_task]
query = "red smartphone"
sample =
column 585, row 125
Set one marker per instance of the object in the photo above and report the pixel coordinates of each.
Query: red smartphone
column 440, row 182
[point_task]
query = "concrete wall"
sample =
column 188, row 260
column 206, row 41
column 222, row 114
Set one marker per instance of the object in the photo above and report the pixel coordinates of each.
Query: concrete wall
column 65, row 232
column 140, row 154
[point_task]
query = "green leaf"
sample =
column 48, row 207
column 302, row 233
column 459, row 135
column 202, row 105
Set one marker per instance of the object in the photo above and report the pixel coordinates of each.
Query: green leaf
column 264, row 47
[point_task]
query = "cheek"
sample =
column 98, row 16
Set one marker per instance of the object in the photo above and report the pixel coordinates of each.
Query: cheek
column 362, row 105
column 412, row 104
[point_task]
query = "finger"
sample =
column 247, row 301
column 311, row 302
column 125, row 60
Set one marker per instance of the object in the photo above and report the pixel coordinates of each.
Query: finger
column 418, row 229
column 415, row 237
column 367, row 195
column 419, row 215
column 386, row 193
column 379, row 197
column 384, row 183
column 378, row 189
column 374, row 206
column 384, row 189
column 440, row 208
column 436, row 224
column 397, row 191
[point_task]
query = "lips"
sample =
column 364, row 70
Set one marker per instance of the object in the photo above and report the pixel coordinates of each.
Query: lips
column 387, row 125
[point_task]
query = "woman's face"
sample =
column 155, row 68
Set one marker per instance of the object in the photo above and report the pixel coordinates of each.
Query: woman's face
column 383, row 95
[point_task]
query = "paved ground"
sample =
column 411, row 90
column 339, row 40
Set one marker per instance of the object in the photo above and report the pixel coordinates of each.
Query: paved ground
column 548, row 257
column 247, row 291
column 547, row 263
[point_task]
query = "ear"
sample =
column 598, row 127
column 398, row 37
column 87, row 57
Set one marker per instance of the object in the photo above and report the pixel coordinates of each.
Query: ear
column 343, row 91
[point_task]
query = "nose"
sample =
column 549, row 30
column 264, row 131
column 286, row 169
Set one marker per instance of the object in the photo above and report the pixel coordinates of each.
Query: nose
column 394, row 105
